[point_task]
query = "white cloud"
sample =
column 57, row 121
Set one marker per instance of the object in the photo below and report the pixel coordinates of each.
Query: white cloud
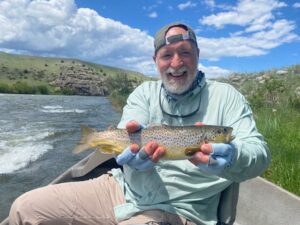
column 210, row 3
column 261, row 33
column 152, row 15
column 296, row 5
column 59, row 28
column 246, row 13
column 170, row 8
column 256, row 44
column 151, row 7
column 214, row 71
column 186, row 5
column 216, row 48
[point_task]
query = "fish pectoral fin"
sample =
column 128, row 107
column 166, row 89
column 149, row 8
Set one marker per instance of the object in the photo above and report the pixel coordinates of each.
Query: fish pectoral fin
column 110, row 149
column 191, row 150
column 105, row 150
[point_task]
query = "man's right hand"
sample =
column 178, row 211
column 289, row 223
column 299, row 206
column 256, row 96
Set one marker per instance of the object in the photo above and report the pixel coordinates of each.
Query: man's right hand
column 141, row 159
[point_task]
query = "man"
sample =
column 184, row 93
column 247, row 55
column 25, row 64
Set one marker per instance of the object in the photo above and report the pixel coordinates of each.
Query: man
column 150, row 190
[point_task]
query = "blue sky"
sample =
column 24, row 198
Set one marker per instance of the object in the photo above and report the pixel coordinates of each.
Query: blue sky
column 233, row 36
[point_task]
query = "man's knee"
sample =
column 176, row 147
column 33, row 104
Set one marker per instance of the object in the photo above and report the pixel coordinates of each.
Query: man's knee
column 21, row 210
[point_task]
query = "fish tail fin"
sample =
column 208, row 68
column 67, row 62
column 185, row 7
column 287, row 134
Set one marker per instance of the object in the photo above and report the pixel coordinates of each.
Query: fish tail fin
column 84, row 143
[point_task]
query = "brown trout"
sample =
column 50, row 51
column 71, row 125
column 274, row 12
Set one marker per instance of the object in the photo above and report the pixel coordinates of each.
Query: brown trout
column 180, row 142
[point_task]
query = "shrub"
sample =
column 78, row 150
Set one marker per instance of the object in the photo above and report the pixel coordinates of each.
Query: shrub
column 5, row 88
column 68, row 91
column 267, row 94
column 21, row 87
column 294, row 101
column 43, row 89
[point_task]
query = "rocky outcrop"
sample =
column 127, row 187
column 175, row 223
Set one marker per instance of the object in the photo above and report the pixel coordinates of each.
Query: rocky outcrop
column 282, row 72
column 265, row 77
column 83, row 81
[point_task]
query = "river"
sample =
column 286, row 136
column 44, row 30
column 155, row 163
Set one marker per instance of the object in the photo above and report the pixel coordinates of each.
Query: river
column 37, row 135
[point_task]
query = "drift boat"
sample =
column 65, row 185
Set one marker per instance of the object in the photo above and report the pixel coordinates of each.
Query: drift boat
column 255, row 201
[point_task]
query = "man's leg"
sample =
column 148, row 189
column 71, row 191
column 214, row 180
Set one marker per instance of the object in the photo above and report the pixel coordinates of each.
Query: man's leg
column 88, row 202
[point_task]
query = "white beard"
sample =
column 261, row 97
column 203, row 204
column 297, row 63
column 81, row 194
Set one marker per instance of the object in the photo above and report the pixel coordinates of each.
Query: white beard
column 177, row 86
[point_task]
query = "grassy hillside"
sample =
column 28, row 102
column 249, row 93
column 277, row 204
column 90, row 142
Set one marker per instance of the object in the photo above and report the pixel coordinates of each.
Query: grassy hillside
column 14, row 67
column 42, row 75
column 275, row 100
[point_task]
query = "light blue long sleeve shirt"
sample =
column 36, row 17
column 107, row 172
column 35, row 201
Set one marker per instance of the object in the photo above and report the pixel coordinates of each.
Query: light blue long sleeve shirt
column 179, row 186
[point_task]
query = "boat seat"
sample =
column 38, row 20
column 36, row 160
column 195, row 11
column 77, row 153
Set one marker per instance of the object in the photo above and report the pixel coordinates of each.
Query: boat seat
column 228, row 204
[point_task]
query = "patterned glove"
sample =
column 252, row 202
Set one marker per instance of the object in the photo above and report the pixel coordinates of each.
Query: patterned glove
column 139, row 161
column 220, row 158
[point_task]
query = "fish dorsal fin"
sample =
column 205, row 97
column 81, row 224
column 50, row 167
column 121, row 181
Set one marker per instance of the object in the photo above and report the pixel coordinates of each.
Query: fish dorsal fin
column 105, row 149
column 86, row 133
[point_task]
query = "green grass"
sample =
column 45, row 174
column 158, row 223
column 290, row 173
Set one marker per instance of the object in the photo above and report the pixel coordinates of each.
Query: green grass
column 275, row 101
column 15, row 67
column 282, row 133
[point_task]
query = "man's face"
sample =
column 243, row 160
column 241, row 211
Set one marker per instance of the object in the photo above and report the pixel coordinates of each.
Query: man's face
column 177, row 63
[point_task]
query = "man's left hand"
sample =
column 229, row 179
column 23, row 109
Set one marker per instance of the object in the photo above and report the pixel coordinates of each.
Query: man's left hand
column 214, row 158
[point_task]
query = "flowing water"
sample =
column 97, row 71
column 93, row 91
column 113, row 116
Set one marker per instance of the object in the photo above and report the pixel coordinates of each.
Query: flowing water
column 37, row 135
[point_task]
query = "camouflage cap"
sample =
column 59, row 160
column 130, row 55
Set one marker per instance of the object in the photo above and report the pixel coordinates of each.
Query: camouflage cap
column 160, row 39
